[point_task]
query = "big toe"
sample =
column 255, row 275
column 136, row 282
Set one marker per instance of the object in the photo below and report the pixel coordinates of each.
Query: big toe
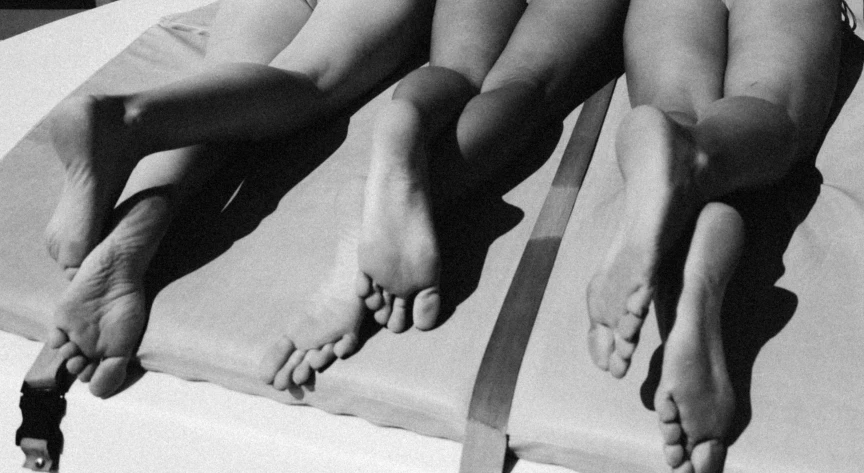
column 371, row 293
column 284, row 376
column 618, row 365
column 321, row 358
column 427, row 305
column 708, row 457
column 398, row 321
column 600, row 345
column 109, row 376
column 274, row 359
column 346, row 346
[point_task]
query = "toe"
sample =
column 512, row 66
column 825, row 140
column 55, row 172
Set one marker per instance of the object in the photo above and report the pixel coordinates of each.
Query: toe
column 68, row 350
column 87, row 373
column 427, row 305
column 671, row 433
column 382, row 315
column 374, row 301
column 674, row 455
column 369, row 292
column 302, row 373
column 600, row 345
column 76, row 365
column 320, row 359
column 708, row 457
column 275, row 358
column 667, row 411
column 398, row 322
column 624, row 348
column 282, row 380
column 56, row 338
column 639, row 300
column 628, row 327
column 346, row 346
column 109, row 376
column 618, row 365
column 685, row 467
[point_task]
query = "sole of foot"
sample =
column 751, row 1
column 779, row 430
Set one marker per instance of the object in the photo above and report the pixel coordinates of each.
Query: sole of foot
column 657, row 163
column 695, row 401
column 398, row 250
column 326, row 327
column 103, row 310
column 88, row 136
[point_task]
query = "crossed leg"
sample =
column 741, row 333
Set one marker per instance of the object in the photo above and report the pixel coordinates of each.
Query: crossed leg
column 724, row 99
column 210, row 106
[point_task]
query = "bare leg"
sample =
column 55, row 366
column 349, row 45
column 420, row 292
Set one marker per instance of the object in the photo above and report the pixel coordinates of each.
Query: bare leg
column 102, row 138
column 103, row 309
column 327, row 327
column 398, row 249
column 695, row 402
column 701, row 130
column 559, row 54
column 186, row 169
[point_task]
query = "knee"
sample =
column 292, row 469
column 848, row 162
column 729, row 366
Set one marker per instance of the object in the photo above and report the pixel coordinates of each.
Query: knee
column 672, row 91
column 439, row 94
column 505, row 112
column 757, row 129
column 432, row 84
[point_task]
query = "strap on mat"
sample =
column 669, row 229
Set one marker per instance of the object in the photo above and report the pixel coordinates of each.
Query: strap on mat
column 43, row 405
column 485, row 445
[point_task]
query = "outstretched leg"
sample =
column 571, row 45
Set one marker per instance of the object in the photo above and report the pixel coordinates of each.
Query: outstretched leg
column 356, row 58
column 706, row 124
column 675, row 52
column 695, row 402
column 399, row 259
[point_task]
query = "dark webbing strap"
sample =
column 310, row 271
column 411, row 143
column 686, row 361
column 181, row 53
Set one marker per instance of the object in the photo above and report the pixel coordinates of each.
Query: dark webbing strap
column 43, row 405
column 485, row 444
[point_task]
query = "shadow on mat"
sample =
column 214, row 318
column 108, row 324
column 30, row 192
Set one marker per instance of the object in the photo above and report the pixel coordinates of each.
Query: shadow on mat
column 257, row 176
column 755, row 309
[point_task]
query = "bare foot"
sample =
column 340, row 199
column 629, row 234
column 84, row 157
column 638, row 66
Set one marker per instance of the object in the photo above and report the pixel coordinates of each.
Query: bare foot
column 88, row 136
column 103, row 310
column 695, row 401
column 322, row 331
column 327, row 326
column 398, row 251
column 658, row 164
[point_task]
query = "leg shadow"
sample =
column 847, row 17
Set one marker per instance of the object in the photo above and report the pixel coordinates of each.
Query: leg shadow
column 755, row 309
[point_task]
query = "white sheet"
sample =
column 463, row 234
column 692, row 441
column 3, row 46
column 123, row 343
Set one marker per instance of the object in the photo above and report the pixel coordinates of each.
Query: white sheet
column 164, row 424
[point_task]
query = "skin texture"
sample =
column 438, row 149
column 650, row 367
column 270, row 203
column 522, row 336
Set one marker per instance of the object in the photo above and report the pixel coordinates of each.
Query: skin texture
column 725, row 98
column 491, row 89
column 265, row 74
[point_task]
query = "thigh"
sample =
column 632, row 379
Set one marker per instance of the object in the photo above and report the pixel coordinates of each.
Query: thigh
column 254, row 30
column 563, row 48
column 348, row 46
column 786, row 52
column 675, row 53
column 469, row 35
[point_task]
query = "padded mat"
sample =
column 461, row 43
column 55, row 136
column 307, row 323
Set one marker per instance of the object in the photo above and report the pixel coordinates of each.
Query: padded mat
column 236, row 265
